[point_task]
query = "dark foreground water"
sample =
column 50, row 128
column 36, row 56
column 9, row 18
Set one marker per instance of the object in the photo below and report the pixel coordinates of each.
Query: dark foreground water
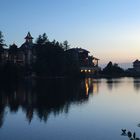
column 70, row 110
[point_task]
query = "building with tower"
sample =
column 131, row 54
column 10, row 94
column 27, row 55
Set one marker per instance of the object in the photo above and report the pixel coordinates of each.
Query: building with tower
column 26, row 50
column 23, row 55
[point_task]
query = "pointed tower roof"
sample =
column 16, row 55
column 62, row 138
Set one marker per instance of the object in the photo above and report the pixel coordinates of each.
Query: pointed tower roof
column 28, row 36
column 28, row 44
column 14, row 45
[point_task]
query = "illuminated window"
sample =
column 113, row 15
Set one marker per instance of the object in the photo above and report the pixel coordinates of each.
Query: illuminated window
column 89, row 70
column 85, row 70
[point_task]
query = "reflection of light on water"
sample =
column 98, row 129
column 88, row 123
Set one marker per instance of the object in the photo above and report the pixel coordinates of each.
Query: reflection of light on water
column 87, row 86
column 95, row 87
column 91, row 86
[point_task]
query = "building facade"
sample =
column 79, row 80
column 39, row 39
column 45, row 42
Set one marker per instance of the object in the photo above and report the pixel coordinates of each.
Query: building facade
column 87, row 63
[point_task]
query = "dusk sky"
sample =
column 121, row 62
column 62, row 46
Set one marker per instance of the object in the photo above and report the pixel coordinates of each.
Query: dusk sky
column 109, row 29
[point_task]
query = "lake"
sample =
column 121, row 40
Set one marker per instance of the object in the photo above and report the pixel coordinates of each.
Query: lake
column 89, row 109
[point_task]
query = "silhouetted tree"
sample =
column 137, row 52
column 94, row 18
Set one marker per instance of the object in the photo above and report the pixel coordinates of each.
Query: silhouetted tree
column 42, row 39
column 113, row 69
column 50, row 57
column 1, row 45
column 66, row 45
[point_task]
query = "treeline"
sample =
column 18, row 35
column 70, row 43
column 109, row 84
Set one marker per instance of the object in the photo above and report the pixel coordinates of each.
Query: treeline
column 53, row 59
column 114, row 70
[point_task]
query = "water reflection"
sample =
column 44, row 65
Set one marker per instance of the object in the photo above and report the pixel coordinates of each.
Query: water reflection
column 95, row 88
column 91, row 86
column 116, row 83
column 43, row 97
column 113, row 83
column 136, row 84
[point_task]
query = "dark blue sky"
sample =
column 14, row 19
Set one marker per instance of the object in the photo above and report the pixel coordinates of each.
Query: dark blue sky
column 108, row 28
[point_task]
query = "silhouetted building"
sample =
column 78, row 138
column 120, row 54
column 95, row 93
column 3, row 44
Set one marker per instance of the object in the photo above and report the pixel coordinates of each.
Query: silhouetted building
column 27, row 50
column 88, row 64
column 136, row 65
column 24, row 55
column 13, row 53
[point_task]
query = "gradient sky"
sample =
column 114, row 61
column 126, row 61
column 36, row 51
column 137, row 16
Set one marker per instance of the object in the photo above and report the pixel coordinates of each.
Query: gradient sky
column 109, row 29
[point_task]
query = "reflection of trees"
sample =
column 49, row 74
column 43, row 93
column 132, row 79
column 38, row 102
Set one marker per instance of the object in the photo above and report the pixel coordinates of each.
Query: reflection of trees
column 3, row 103
column 112, row 83
column 136, row 82
column 109, row 84
column 43, row 98
column 2, row 113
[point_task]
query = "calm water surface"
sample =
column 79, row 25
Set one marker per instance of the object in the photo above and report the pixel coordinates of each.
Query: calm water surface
column 70, row 110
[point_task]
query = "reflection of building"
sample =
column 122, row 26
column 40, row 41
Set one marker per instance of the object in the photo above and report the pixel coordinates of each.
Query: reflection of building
column 88, row 64
column 91, row 86
column 44, row 97
column 95, row 86
column 136, row 84
column 87, row 86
